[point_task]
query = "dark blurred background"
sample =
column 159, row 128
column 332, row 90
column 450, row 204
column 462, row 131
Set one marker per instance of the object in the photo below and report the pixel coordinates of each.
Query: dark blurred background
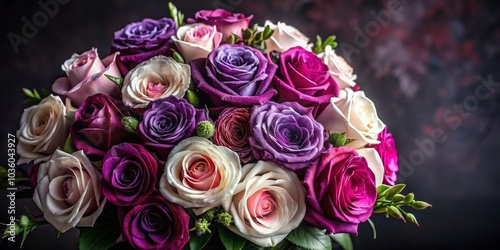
column 425, row 64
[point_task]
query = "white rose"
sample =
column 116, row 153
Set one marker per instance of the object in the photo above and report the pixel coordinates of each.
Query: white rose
column 355, row 115
column 43, row 128
column 285, row 37
column 340, row 70
column 199, row 174
column 267, row 204
column 374, row 163
column 196, row 40
column 68, row 191
column 156, row 78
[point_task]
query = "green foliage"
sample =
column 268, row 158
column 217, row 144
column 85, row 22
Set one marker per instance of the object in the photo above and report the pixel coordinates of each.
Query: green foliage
column 34, row 96
column 229, row 239
column 253, row 37
column 117, row 80
column 176, row 14
column 103, row 234
column 338, row 139
column 309, row 237
column 320, row 45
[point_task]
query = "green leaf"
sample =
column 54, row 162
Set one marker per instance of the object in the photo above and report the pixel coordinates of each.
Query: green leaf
column 117, row 80
column 175, row 14
column 28, row 92
column 198, row 242
column 283, row 245
column 68, row 146
column 373, row 229
column 396, row 189
column 246, row 34
column 268, row 32
column 103, row 234
column 382, row 187
column 192, row 98
column 230, row 240
column 309, row 237
column 177, row 57
column 329, row 41
column 343, row 239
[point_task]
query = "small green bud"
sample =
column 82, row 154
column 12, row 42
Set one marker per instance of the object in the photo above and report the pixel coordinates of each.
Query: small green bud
column 396, row 189
column 394, row 212
column 202, row 226
column 8, row 230
column 192, row 98
column 409, row 198
column 205, row 129
column 411, row 218
column 209, row 215
column 24, row 222
column 397, row 198
column 380, row 210
column 225, row 218
column 420, row 205
column 130, row 124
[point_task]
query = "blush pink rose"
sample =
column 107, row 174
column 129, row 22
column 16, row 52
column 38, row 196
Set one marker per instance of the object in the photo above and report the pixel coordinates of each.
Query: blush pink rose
column 196, row 40
column 86, row 77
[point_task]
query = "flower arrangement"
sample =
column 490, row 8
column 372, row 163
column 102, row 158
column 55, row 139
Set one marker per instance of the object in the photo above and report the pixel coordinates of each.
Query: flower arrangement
column 205, row 133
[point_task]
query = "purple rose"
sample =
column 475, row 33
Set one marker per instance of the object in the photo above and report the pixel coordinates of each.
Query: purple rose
column 389, row 156
column 226, row 22
column 155, row 223
column 97, row 125
column 340, row 191
column 168, row 121
column 235, row 75
column 142, row 40
column 302, row 77
column 286, row 134
column 129, row 172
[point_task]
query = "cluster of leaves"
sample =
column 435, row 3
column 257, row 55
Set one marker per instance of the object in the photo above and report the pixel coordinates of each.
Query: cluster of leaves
column 253, row 37
column 34, row 96
column 320, row 45
column 176, row 15
column 390, row 201
column 338, row 139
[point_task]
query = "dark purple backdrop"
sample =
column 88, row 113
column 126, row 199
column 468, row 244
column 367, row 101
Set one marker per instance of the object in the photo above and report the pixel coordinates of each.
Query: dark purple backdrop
column 420, row 61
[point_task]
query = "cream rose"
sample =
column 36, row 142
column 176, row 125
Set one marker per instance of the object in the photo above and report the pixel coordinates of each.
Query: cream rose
column 68, row 191
column 199, row 174
column 356, row 115
column 285, row 37
column 340, row 70
column 153, row 79
column 374, row 163
column 196, row 40
column 43, row 128
column 267, row 204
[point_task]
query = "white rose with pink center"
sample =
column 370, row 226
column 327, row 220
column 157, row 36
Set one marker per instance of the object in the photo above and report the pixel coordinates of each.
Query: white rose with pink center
column 196, row 40
column 199, row 174
column 267, row 204
column 153, row 79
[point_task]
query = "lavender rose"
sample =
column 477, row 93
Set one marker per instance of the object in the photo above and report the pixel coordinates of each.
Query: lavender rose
column 226, row 22
column 235, row 75
column 142, row 40
column 98, row 125
column 304, row 78
column 232, row 130
column 286, row 134
column 155, row 223
column 340, row 191
column 389, row 156
column 168, row 121
column 129, row 172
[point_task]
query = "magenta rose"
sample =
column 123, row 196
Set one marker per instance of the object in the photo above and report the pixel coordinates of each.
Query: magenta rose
column 389, row 156
column 155, row 223
column 97, row 125
column 86, row 77
column 129, row 172
column 232, row 130
column 226, row 22
column 302, row 77
column 234, row 75
column 340, row 191
column 139, row 41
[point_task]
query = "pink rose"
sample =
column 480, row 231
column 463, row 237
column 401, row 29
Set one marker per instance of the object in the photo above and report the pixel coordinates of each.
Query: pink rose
column 86, row 77
column 196, row 40
column 389, row 156
column 226, row 22
column 340, row 191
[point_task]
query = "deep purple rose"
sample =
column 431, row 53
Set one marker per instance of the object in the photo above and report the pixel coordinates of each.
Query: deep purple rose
column 155, row 223
column 142, row 40
column 168, row 121
column 129, row 172
column 286, row 134
column 235, row 75
column 340, row 191
column 389, row 156
column 97, row 125
column 302, row 77
column 225, row 21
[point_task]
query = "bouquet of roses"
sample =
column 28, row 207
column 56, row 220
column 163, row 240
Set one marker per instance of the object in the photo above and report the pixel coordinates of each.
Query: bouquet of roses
column 209, row 133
